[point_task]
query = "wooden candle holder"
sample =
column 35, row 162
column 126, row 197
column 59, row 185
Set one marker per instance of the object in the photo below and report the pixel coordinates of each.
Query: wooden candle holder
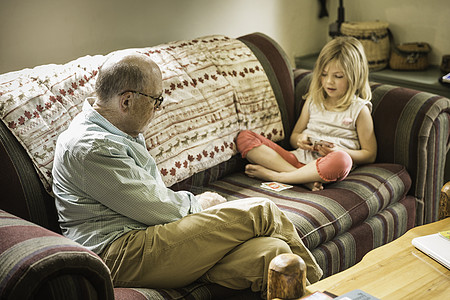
column 287, row 277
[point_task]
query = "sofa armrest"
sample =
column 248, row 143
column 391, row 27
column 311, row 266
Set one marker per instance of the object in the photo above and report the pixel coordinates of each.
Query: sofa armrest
column 412, row 129
column 40, row 264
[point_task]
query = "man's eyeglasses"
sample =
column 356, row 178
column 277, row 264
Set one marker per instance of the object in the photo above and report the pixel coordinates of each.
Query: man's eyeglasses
column 158, row 100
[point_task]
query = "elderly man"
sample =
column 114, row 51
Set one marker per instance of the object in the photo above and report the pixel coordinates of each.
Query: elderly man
column 111, row 198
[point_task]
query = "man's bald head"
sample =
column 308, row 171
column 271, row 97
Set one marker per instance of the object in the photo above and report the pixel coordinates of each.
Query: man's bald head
column 122, row 72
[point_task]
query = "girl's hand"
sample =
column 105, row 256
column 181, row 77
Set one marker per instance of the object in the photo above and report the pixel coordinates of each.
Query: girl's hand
column 324, row 150
column 304, row 143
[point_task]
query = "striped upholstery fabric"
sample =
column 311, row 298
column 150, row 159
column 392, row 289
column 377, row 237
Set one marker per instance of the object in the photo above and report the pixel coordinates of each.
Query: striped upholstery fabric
column 344, row 221
column 191, row 292
column 36, row 262
column 323, row 215
column 419, row 142
column 23, row 193
column 194, row 291
column 349, row 248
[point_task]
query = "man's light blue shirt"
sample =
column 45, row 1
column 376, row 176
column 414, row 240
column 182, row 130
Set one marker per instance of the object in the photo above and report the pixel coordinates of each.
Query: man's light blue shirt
column 106, row 183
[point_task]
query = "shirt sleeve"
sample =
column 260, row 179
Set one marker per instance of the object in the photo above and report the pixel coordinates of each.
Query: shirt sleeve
column 132, row 186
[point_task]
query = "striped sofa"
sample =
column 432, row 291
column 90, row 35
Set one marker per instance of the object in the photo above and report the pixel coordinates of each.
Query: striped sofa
column 376, row 203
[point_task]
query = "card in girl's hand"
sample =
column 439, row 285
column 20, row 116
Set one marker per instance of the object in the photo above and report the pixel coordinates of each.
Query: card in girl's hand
column 275, row 186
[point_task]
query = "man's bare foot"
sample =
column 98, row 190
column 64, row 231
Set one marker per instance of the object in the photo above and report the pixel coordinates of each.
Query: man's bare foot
column 260, row 172
column 314, row 186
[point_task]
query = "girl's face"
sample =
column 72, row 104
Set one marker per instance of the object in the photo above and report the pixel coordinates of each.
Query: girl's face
column 334, row 81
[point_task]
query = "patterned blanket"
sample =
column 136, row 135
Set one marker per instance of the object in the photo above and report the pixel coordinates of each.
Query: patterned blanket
column 213, row 87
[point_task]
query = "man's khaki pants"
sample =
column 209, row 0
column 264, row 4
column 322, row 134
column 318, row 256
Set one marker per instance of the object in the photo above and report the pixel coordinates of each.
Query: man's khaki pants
column 230, row 244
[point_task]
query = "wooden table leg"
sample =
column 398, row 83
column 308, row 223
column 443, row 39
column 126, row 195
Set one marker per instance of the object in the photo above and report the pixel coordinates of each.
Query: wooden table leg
column 287, row 277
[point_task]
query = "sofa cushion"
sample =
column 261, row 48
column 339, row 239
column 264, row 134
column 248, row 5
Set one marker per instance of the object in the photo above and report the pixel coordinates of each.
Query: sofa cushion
column 321, row 216
column 349, row 248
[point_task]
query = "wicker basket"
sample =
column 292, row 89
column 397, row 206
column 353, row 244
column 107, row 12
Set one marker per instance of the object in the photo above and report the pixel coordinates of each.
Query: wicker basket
column 409, row 56
column 375, row 39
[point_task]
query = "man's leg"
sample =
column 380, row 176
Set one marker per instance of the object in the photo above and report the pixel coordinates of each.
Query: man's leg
column 247, row 265
column 176, row 254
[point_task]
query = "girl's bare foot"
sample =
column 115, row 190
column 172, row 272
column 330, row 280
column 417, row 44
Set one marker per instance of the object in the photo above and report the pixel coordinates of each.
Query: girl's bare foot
column 260, row 172
column 314, row 186
column 263, row 173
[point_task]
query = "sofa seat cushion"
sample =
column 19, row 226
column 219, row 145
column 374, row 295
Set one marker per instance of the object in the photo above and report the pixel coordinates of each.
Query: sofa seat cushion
column 349, row 248
column 194, row 291
column 321, row 216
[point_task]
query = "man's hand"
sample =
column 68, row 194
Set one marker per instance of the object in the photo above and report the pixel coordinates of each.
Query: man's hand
column 208, row 199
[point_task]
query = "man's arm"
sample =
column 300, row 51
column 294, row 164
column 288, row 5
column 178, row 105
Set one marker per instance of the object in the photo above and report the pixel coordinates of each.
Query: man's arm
column 118, row 182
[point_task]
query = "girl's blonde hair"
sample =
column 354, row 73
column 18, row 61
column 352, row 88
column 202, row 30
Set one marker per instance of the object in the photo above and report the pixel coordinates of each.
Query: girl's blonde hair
column 349, row 54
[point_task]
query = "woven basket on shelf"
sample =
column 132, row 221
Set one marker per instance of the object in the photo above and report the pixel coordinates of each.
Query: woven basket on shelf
column 375, row 39
column 409, row 56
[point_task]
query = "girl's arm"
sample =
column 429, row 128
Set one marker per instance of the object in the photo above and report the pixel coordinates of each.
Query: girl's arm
column 366, row 134
column 298, row 139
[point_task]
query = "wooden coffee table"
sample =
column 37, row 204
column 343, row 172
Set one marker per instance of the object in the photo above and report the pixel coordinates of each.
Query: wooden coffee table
column 396, row 270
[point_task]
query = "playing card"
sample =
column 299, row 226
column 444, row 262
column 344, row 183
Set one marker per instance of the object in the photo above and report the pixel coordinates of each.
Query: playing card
column 275, row 186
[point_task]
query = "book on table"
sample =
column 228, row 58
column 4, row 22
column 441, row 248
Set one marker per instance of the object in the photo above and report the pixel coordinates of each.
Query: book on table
column 436, row 246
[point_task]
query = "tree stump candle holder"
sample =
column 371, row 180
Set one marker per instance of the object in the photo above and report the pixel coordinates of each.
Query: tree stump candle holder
column 287, row 277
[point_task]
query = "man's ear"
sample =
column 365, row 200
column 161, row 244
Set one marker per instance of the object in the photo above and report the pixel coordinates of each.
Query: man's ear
column 125, row 101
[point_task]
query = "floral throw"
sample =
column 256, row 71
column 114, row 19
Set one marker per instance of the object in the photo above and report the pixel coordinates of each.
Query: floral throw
column 213, row 87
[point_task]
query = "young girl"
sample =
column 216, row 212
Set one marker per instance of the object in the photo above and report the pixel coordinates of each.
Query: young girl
column 334, row 130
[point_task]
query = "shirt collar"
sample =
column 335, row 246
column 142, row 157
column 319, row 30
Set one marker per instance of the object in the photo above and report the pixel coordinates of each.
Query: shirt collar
column 93, row 116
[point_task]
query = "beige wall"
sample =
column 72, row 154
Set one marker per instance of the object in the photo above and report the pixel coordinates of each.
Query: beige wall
column 56, row 31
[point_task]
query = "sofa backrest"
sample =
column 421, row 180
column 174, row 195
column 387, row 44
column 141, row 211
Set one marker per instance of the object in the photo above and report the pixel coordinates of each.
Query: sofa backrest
column 280, row 73
column 23, row 193
column 214, row 87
